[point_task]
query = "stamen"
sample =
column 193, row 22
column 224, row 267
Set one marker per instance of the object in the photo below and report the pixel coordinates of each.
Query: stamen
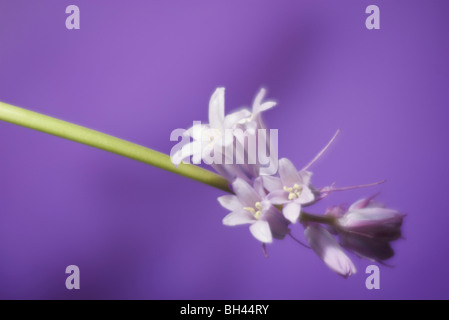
column 255, row 212
column 293, row 192
column 249, row 209
column 264, row 249
column 322, row 151
column 304, row 245
column 324, row 192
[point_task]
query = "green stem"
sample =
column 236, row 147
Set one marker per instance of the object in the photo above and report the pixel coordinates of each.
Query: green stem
column 309, row 217
column 70, row 131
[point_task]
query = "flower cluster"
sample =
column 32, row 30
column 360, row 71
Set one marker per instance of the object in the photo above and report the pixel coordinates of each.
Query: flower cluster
column 272, row 201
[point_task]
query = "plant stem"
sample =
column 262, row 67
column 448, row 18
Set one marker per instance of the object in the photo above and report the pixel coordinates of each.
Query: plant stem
column 70, row 131
column 309, row 217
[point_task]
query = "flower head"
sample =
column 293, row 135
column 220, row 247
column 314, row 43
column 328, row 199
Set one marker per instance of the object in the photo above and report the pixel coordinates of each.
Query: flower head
column 291, row 189
column 269, row 198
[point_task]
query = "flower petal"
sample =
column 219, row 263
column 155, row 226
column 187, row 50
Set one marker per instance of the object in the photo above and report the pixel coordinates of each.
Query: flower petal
column 265, row 106
column 197, row 131
column 306, row 196
column 278, row 197
column 275, row 218
column 233, row 118
column 259, row 98
column 289, row 174
column 193, row 148
column 258, row 186
column 258, row 106
column 327, row 248
column 272, row 183
column 216, row 109
column 305, row 177
column 246, row 194
column 373, row 249
column 238, row 217
column 230, row 202
column 291, row 211
column 369, row 216
column 366, row 203
column 261, row 231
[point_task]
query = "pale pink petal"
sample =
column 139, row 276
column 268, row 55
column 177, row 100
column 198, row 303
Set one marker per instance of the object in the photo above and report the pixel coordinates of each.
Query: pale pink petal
column 261, row 231
column 306, row 196
column 265, row 106
column 289, row 174
column 230, row 202
column 305, row 177
column 291, row 211
column 272, row 183
column 206, row 151
column 369, row 216
column 278, row 197
column 251, row 127
column 258, row 99
column 366, row 203
column 258, row 186
column 362, row 203
column 228, row 140
column 327, row 248
column 258, row 106
column 197, row 131
column 238, row 217
column 275, row 218
column 233, row 118
column 216, row 109
column 246, row 194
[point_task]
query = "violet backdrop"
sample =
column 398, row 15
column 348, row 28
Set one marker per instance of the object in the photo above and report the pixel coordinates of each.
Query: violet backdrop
column 139, row 69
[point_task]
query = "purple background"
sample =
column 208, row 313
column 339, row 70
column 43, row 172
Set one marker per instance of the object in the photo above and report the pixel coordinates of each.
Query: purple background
column 140, row 69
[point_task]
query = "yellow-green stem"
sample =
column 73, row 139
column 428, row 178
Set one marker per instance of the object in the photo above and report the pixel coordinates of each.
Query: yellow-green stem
column 96, row 139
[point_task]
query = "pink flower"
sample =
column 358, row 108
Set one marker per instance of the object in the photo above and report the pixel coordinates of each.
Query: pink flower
column 371, row 219
column 291, row 189
column 367, row 228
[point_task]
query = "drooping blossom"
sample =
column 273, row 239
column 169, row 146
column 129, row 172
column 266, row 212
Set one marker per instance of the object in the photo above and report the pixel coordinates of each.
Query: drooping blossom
column 249, row 206
column 328, row 249
column 367, row 228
